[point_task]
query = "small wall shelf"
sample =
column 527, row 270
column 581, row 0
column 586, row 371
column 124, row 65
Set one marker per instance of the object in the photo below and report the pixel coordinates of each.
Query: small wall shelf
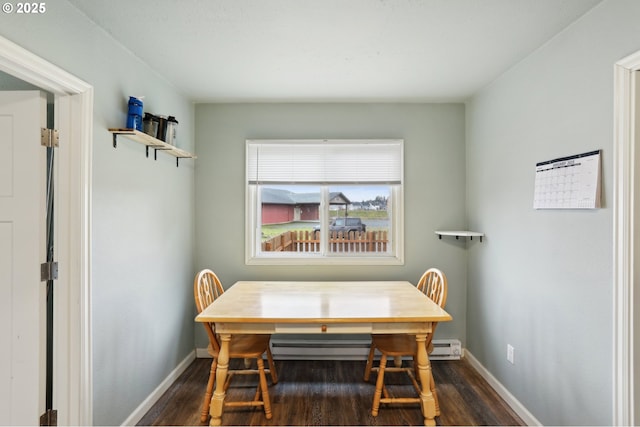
column 458, row 234
column 150, row 142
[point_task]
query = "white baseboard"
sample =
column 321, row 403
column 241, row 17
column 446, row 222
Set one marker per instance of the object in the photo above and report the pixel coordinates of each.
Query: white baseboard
column 146, row 405
column 509, row 398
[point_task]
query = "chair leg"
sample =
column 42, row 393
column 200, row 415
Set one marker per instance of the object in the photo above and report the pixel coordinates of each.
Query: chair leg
column 367, row 369
column 397, row 361
column 265, row 389
column 379, row 386
column 207, row 395
column 272, row 367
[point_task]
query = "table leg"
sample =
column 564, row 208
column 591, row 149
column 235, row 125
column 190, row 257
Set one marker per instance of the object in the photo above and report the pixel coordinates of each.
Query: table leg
column 217, row 400
column 424, row 370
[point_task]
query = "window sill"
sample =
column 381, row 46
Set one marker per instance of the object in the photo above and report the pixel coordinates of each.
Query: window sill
column 337, row 260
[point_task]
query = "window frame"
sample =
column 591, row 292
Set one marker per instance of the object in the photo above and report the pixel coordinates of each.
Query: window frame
column 253, row 221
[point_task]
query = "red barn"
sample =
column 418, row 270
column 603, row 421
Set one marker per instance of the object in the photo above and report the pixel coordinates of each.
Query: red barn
column 281, row 206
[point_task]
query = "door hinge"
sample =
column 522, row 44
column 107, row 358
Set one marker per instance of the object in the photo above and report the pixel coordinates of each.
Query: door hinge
column 49, row 137
column 49, row 418
column 48, row 271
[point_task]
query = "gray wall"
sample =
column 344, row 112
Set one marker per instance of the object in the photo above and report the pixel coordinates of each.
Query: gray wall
column 543, row 280
column 434, row 188
column 142, row 214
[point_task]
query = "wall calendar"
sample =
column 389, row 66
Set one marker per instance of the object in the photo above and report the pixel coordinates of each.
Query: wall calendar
column 571, row 182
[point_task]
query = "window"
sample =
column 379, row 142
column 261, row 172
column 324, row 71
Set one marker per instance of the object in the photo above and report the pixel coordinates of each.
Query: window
column 324, row 202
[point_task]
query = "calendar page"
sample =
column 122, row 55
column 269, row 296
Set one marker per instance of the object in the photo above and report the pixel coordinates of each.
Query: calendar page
column 568, row 183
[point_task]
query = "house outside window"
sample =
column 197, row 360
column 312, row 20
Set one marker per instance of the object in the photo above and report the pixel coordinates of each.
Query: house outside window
column 314, row 202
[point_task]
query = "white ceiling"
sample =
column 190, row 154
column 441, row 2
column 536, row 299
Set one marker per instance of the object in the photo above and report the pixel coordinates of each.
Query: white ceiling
column 332, row 50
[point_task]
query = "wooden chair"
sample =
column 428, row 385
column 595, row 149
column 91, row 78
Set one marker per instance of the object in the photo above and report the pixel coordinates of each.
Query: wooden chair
column 433, row 283
column 206, row 288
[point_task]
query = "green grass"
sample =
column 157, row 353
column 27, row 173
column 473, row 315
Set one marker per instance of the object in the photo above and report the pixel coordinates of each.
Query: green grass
column 272, row 230
column 369, row 214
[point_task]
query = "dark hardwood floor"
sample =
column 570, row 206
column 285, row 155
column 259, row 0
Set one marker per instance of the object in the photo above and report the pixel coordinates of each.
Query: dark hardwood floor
column 333, row 393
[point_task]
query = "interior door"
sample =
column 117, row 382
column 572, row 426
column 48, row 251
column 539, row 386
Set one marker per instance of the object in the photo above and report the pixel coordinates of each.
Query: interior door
column 22, row 250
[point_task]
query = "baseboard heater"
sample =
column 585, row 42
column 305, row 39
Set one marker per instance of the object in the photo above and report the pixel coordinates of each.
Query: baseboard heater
column 341, row 349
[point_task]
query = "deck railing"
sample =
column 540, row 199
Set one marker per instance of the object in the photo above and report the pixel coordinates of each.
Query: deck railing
column 309, row 241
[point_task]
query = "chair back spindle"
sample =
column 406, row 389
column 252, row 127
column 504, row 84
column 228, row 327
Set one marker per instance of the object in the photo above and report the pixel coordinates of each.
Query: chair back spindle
column 206, row 288
column 433, row 284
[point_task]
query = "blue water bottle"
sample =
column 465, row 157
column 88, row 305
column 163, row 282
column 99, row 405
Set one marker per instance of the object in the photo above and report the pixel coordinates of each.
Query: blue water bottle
column 134, row 116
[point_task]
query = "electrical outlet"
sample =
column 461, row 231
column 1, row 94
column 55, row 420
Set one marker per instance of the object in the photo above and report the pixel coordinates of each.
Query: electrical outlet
column 510, row 353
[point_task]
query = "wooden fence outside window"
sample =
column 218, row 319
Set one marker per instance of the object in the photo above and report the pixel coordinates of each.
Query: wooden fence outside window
column 339, row 242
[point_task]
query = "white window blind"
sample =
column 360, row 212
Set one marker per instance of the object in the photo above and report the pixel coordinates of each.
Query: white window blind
column 324, row 162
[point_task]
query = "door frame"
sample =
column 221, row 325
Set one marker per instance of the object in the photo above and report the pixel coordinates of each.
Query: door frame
column 624, row 224
column 73, row 395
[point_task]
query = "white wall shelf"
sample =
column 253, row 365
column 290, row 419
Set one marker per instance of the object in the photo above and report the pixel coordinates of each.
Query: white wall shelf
column 458, row 234
column 150, row 142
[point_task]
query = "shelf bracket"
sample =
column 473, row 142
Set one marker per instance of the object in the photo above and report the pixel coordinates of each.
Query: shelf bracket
column 155, row 151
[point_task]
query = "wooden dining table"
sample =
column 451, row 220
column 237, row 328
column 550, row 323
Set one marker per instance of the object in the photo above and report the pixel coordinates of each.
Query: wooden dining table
column 323, row 307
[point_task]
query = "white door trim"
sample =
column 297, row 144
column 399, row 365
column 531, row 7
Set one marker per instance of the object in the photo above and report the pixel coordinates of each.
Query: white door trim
column 623, row 242
column 74, row 117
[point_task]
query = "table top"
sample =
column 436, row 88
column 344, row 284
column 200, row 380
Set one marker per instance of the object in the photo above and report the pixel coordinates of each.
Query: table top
column 323, row 302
